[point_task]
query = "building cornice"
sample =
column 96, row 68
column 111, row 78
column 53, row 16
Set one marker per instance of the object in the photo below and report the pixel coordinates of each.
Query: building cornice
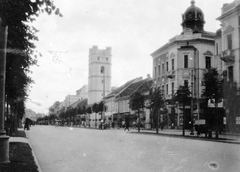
column 191, row 41
column 229, row 12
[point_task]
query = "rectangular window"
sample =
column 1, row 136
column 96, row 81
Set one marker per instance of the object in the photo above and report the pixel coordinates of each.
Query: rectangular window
column 155, row 71
column 172, row 64
column 172, row 88
column 163, row 72
column 230, row 73
column 186, row 83
column 185, row 61
column 167, row 89
column 159, row 70
column 208, row 62
column 167, row 66
column 229, row 42
column 163, row 89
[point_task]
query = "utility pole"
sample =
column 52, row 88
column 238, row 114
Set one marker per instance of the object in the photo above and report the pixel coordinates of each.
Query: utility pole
column 4, row 139
column 191, row 133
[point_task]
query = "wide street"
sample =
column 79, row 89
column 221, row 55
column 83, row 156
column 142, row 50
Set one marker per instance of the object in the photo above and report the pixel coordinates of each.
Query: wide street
column 66, row 149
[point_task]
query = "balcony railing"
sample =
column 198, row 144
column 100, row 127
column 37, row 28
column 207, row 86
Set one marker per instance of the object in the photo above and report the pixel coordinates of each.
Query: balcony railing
column 171, row 74
column 228, row 56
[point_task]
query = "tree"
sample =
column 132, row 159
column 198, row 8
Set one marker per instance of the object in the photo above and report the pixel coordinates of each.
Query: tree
column 136, row 103
column 95, row 110
column 89, row 110
column 101, row 108
column 213, row 91
column 182, row 96
column 21, row 53
column 155, row 103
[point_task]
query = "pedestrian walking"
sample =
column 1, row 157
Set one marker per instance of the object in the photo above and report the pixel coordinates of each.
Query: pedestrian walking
column 102, row 124
column 126, row 126
column 26, row 125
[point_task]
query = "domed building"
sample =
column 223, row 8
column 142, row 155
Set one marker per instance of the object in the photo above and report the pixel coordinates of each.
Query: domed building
column 183, row 61
column 193, row 18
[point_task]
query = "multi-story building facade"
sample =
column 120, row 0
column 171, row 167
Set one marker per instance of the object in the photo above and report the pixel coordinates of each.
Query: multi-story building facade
column 122, row 102
column 55, row 108
column 183, row 61
column 99, row 78
column 230, row 41
column 70, row 99
column 227, row 51
column 111, row 105
column 82, row 92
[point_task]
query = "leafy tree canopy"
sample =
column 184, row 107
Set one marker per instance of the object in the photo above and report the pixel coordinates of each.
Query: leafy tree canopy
column 21, row 53
column 137, row 101
column 182, row 95
column 213, row 85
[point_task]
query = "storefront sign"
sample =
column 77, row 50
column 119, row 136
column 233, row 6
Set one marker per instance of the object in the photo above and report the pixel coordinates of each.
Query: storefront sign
column 200, row 122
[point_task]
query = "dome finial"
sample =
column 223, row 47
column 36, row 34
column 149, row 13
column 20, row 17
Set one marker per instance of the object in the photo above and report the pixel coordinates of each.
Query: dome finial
column 192, row 2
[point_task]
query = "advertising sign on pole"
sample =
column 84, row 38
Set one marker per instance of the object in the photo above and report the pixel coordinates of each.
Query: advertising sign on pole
column 237, row 120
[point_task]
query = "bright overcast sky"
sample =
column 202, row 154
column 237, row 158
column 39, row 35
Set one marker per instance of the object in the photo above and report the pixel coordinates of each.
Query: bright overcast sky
column 133, row 28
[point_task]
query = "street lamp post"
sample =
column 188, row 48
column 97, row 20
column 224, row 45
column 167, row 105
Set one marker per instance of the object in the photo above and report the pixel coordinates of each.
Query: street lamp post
column 103, row 72
column 4, row 139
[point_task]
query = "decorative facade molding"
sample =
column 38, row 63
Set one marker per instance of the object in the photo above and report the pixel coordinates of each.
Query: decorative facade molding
column 228, row 29
column 172, row 55
column 208, row 53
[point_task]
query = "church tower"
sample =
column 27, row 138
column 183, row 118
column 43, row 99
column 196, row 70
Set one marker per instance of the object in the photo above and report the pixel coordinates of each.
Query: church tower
column 99, row 76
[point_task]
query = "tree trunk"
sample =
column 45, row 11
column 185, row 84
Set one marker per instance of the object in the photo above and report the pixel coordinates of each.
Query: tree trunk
column 183, row 120
column 157, row 122
column 216, row 111
column 138, row 121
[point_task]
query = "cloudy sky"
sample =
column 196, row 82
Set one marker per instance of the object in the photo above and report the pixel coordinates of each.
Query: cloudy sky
column 133, row 28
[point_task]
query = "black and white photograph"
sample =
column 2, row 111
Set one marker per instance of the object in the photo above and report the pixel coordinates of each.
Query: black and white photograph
column 119, row 85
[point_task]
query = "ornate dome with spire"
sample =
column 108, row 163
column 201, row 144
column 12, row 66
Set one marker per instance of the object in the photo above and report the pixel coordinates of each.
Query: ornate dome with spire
column 193, row 19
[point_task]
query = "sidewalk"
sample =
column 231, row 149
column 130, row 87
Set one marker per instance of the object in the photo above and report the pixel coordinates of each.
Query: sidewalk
column 224, row 138
column 25, row 140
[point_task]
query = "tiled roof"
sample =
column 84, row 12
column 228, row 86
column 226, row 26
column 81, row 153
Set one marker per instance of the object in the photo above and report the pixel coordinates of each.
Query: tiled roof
column 121, row 88
column 134, row 87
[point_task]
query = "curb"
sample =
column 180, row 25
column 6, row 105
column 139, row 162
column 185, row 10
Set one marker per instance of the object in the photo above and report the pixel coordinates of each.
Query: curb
column 34, row 155
column 187, row 137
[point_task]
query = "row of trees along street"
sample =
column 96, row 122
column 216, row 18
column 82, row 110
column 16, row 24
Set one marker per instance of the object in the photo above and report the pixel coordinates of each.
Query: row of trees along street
column 153, row 99
column 70, row 115
column 21, row 53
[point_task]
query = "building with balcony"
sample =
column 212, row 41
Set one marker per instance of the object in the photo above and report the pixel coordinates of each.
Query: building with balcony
column 227, row 51
column 183, row 61
column 229, row 36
